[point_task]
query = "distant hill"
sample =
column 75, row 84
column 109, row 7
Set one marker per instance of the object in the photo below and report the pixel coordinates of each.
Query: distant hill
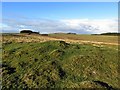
column 112, row 34
column 28, row 32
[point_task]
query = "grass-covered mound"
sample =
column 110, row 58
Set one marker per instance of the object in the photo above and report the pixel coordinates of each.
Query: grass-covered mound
column 56, row 64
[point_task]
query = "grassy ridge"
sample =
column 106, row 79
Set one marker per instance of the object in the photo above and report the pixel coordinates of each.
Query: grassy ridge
column 113, row 34
column 56, row 64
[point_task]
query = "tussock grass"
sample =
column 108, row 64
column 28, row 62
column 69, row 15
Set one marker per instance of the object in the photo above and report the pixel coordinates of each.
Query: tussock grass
column 57, row 64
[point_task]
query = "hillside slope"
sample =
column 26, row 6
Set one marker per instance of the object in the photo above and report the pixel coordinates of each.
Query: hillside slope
column 57, row 64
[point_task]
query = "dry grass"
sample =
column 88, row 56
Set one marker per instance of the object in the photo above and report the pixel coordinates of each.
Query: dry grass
column 80, row 39
column 97, row 39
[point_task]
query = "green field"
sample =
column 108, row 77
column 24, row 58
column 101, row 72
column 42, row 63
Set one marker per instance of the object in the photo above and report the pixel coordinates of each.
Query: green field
column 58, row 64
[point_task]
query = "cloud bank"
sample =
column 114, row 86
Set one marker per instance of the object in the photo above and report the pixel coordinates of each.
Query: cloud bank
column 81, row 26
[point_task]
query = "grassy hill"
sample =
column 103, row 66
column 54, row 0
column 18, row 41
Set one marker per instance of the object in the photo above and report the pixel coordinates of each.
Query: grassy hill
column 113, row 34
column 57, row 64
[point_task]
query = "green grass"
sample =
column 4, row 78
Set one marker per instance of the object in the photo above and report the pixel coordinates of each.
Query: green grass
column 56, row 64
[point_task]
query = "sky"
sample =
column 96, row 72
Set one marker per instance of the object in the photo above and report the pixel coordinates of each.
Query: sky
column 52, row 17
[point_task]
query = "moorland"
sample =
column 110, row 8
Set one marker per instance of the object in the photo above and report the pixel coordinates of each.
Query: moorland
column 59, row 61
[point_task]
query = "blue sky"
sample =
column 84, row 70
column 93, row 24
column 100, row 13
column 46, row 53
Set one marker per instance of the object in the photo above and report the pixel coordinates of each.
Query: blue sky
column 75, row 14
column 56, row 10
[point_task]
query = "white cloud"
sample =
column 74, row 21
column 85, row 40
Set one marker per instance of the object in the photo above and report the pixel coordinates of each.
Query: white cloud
column 66, row 25
column 5, row 26
column 93, row 26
